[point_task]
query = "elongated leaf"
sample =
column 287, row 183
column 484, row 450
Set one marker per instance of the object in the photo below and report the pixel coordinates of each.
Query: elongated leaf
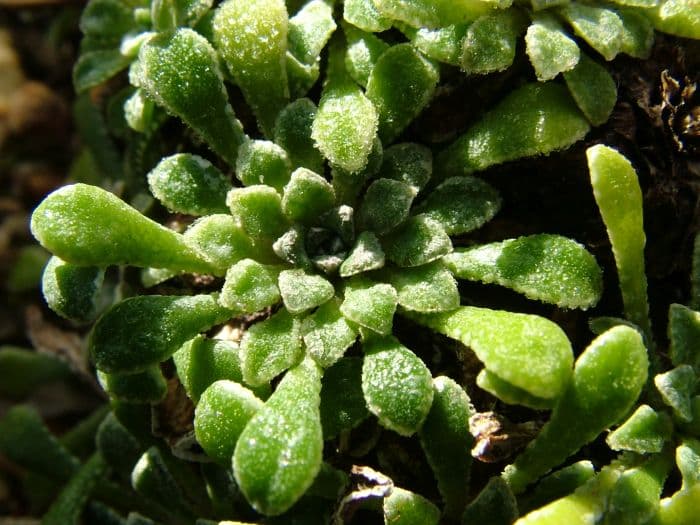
column 607, row 380
column 446, row 441
column 342, row 401
column 601, row 28
column 252, row 39
column 279, row 452
column 593, row 90
column 400, row 85
column 619, row 198
column 152, row 478
column 270, row 347
column 293, row 133
column 433, row 13
column 22, row 371
column 95, row 67
column 71, row 291
column 546, row 267
column 397, row 385
column 189, row 184
column 683, row 333
column 221, row 415
column 688, row 461
column 89, row 226
column 403, row 507
column 180, row 71
column 309, row 30
column 145, row 330
column 148, row 386
column 526, row 351
column 547, row 120
column 549, row 49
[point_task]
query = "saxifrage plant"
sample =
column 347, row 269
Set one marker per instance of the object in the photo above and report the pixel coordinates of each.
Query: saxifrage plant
column 330, row 230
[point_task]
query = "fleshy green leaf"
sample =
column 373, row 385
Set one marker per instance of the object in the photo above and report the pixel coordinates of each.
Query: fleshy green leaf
column 534, row 119
column 688, row 461
column 258, row 209
column 607, row 380
column 419, row 241
column 95, row 67
column 427, row 288
column 250, row 287
column 549, row 49
column 309, row 30
column 556, row 485
column 444, row 44
column 270, row 347
column 545, row 267
column 619, row 198
column 23, row 371
column 593, row 90
column 302, row 291
column 677, row 17
column 153, row 479
column 220, row 417
column 509, row 393
column 145, row 330
column 526, row 351
column 364, row 14
column 446, row 441
column 385, row 205
column 306, row 196
column 684, row 334
column 400, row 85
column 408, row 162
column 461, row 204
column 637, row 34
column 490, row 42
column 148, row 386
column 251, row 38
column 495, row 504
column 366, row 255
column 677, row 386
column 370, row 304
column 70, row 290
column 89, row 226
column 601, row 28
column 403, row 507
column 279, row 452
column 327, row 334
column 364, row 49
column 433, row 13
column 397, row 385
column 180, row 71
column 645, row 432
column 189, row 184
column 342, row 401
column 293, row 133
column 263, row 162
column 679, row 509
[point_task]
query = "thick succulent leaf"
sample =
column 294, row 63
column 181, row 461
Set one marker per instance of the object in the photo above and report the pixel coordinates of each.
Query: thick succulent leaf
column 645, row 432
column 461, row 204
column 607, row 380
column 403, row 507
column 263, row 162
column 309, row 30
column 534, row 119
column 279, row 452
column 153, row 479
column 189, row 184
column 119, row 448
column 301, row 77
column 220, row 417
column 107, row 18
column 306, row 196
column 386, row 204
column 258, row 209
column 637, row 3
column 291, row 247
column 180, row 71
column 364, row 14
column 419, row 241
column 303, row 291
column 495, row 504
column 593, row 90
column 349, row 185
column 509, row 393
column 433, row 13
column 327, row 334
column 293, row 133
column 145, row 330
column 251, row 38
column 223, row 242
column 558, row 484
column 366, row 255
column 23, row 371
column 677, row 387
column 619, row 198
column 363, row 51
column 342, row 400
column 408, row 162
column 688, row 461
column 345, row 126
column 446, row 441
column 139, row 111
column 444, row 44
column 148, row 386
column 490, row 42
column 549, row 48
column 526, row 351
column 677, row 17
column 370, row 304
column 549, row 268
column 397, row 385
column 637, row 34
column 89, row 226
column 428, row 288
column 684, row 334
column 679, row 509
column 400, row 85
column 270, row 347
column 601, row 28
column 95, row 67
column 71, row 291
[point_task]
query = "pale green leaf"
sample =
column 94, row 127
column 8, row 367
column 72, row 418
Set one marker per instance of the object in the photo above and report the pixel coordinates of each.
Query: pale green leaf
column 427, row 288
column 419, row 241
column 549, row 48
column 403, row 507
column 263, row 162
column 327, row 334
column 249, row 287
column 370, row 304
column 302, row 291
